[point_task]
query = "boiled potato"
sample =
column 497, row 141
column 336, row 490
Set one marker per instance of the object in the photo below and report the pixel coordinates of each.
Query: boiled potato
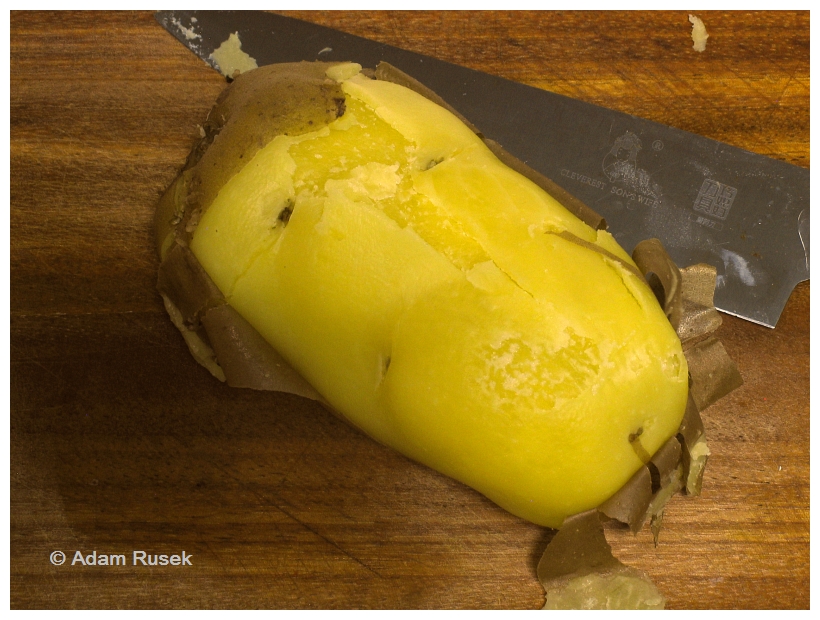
column 440, row 301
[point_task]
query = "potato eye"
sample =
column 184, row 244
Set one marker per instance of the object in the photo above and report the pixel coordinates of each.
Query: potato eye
column 284, row 214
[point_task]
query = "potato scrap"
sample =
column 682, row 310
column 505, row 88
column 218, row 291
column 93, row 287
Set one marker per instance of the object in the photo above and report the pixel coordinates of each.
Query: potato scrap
column 231, row 60
column 699, row 34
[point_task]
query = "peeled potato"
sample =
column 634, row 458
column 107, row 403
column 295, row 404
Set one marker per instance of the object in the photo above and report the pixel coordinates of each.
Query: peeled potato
column 437, row 299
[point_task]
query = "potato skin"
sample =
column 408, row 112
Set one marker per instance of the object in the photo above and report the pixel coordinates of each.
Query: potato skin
column 280, row 99
column 291, row 98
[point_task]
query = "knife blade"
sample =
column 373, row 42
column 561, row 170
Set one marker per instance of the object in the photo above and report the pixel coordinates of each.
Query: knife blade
column 708, row 202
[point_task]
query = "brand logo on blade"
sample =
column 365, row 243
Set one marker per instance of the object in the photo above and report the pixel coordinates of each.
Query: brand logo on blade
column 621, row 166
column 715, row 199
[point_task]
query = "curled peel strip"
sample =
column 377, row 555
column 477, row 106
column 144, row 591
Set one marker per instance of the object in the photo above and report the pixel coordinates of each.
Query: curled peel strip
column 578, row 571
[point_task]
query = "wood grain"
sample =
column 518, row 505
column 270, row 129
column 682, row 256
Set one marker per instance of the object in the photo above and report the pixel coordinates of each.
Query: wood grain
column 119, row 441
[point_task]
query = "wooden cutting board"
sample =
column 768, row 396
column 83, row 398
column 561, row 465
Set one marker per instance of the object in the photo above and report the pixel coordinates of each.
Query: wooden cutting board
column 121, row 443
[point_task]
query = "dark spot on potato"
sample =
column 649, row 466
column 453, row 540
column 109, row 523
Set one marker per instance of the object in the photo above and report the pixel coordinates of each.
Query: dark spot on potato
column 285, row 213
column 340, row 106
column 433, row 163
column 385, row 366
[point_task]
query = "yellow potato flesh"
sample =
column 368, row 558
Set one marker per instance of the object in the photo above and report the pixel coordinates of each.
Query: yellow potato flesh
column 423, row 289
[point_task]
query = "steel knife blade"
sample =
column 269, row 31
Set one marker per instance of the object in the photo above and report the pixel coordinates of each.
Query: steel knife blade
column 708, row 202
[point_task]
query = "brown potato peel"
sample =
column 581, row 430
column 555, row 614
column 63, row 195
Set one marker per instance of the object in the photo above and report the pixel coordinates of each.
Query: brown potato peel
column 579, row 571
column 296, row 98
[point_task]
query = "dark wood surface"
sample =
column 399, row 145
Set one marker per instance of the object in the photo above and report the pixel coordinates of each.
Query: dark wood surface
column 120, row 442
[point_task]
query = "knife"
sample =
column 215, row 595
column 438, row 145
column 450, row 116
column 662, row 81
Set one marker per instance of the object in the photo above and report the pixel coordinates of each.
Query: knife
column 708, row 202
